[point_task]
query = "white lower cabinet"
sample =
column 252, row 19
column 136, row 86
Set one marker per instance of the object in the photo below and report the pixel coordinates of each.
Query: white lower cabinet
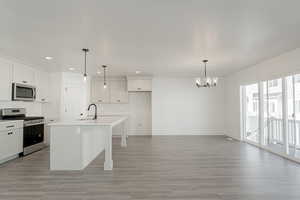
column 11, row 139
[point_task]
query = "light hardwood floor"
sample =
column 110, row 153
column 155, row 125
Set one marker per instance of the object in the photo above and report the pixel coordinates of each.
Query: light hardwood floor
column 160, row 167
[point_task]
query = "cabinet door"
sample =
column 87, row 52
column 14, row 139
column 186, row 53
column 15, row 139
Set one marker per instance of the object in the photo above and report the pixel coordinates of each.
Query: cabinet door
column 5, row 81
column 23, row 74
column 145, row 85
column 118, row 91
column 142, row 85
column 10, row 143
column 42, row 84
column 99, row 94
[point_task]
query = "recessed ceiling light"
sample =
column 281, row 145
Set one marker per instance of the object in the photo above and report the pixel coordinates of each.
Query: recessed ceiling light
column 137, row 72
column 48, row 58
column 71, row 68
column 98, row 72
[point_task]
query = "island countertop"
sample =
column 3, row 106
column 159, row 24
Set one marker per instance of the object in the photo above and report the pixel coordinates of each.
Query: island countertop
column 101, row 121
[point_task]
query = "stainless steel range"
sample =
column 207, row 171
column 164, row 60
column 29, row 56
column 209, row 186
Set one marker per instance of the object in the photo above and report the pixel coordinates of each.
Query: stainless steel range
column 33, row 131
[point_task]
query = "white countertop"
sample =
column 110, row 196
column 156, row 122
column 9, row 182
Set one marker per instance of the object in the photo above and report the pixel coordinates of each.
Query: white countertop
column 101, row 121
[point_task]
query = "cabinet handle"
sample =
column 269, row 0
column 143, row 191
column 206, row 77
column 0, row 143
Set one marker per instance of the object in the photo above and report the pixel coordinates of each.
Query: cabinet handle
column 24, row 81
column 119, row 100
column 10, row 126
column 43, row 99
column 139, row 88
column 9, row 133
column 99, row 100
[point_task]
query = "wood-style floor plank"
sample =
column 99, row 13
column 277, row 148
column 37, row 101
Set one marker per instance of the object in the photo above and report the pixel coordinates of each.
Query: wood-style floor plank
column 159, row 167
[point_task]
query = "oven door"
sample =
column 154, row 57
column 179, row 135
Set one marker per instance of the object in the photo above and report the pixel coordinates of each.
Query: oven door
column 33, row 138
column 21, row 92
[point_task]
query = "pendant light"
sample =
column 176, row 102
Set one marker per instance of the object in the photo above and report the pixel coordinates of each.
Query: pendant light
column 104, row 76
column 206, row 81
column 85, row 53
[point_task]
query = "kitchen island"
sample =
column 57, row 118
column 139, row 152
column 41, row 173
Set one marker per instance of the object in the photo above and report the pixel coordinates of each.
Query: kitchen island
column 74, row 144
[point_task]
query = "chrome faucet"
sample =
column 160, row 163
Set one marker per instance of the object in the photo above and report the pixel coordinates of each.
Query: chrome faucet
column 95, row 116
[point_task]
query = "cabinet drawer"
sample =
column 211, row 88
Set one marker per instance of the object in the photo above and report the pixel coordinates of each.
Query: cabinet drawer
column 10, row 125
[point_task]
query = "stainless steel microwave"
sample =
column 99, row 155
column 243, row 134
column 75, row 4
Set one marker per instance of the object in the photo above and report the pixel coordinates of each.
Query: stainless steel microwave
column 22, row 92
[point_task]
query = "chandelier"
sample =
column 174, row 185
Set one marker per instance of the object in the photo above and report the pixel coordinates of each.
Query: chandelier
column 206, row 81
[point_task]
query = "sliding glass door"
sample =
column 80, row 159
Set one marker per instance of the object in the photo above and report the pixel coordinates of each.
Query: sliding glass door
column 273, row 115
column 293, row 107
column 251, row 101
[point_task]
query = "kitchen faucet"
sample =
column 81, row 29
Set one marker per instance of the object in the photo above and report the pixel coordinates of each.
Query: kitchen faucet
column 95, row 116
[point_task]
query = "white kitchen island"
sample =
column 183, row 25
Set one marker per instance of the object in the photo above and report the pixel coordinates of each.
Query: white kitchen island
column 74, row 144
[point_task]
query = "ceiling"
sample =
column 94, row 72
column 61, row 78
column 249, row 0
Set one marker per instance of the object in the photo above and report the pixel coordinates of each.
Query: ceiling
column 163, row 37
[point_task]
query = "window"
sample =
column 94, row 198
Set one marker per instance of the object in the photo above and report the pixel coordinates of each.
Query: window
column 297, row 79
column 273, row 107
column 255, row 106
column 297, row 107
column 273, row 83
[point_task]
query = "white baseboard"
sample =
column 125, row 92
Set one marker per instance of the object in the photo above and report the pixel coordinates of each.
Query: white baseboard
column 233, row 137
column 188, row 132
column 9, row 158
column 135, row 132
column 174, row 132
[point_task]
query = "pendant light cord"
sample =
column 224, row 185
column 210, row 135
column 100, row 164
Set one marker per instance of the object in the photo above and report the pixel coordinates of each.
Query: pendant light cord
column 85, row 63
column 205, row 61
column 104, row 73
column 205, row 69
column 85, row 54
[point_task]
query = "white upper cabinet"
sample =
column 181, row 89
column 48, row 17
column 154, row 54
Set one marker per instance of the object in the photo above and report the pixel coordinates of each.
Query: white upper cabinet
column 118, row 91
column 5, row 81
column 42, row 86
column 99, row 94
column 23, row 74
column 139, row 84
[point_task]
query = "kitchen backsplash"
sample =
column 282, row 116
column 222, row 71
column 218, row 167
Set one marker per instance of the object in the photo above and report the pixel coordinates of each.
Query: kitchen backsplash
column 32, row 108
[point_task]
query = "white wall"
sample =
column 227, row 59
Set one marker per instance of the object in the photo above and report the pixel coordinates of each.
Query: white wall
column 282, row 65
column 180, row 108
